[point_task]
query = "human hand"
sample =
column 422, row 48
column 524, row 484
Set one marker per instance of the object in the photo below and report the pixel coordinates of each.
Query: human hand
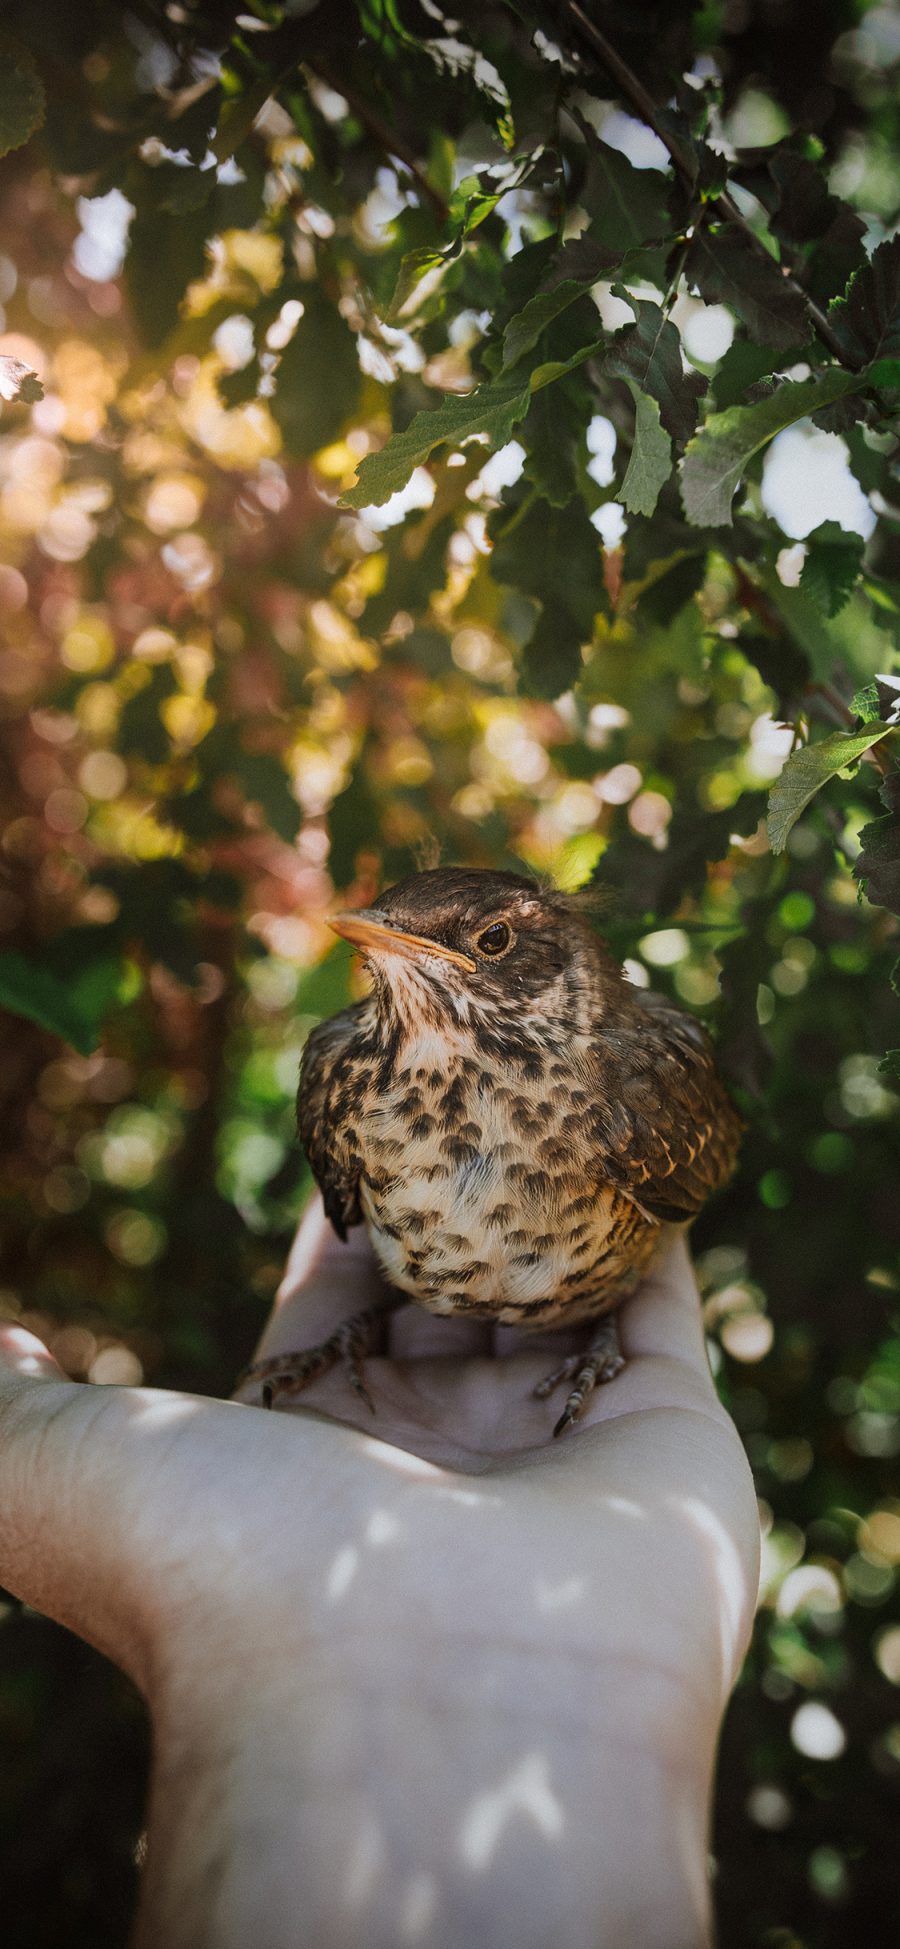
column 430, row 1676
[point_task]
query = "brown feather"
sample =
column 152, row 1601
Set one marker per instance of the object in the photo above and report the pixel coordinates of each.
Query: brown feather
column 513, row 1129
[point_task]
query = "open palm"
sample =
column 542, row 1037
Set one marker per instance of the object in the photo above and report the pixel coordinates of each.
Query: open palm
column 644, row 1512
column 495, row 1631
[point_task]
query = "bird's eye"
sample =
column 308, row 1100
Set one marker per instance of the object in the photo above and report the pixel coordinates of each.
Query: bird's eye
column 495, row 939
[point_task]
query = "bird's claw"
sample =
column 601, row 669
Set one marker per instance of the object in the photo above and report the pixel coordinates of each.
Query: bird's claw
column 285, row 1375
column 602, row 1361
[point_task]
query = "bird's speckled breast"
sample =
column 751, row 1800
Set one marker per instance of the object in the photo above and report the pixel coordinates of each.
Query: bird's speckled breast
column 481, row 1196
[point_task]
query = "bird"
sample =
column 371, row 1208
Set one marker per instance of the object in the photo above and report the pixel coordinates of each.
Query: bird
column 511, row 1118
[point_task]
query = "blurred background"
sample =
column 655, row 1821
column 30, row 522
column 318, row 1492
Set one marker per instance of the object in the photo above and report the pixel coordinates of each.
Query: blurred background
column 227, row 703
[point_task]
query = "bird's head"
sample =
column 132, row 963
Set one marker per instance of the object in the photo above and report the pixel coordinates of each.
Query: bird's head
column 459, row 945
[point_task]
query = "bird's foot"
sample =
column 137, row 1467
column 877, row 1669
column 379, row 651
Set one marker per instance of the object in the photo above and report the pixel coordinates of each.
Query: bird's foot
column 601, row 1362
column 285, row 1375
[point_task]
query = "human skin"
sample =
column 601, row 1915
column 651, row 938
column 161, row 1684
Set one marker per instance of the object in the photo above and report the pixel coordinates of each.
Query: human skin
column 428, row 1677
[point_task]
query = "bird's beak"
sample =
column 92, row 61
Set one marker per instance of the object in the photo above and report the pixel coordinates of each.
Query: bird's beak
column 373, row 933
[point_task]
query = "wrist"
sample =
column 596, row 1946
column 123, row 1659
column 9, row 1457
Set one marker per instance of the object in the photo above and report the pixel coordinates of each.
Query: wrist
column 505, row 1798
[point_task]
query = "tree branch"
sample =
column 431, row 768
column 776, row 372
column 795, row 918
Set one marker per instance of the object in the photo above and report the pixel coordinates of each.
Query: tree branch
column 634, row 92
column 386, row 138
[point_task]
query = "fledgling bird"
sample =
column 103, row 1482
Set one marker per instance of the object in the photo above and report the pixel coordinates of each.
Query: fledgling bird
column 509, row 1116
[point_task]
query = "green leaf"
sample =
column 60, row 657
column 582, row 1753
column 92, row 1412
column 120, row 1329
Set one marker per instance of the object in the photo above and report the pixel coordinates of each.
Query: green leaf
column 265, row 782
column 651, row 882
column 492, row 411
column 878, row 865
column 805, row 209
column 867, row 318
column 666, row 595
column 807, row 771
column 176, row 188
column 782, row 663
column 884, row 375
column 719, row 455
column 237, row 116
column 27, row 988
column 546, row 375
column 142, row 733
column 22, row 100
column 165, row 253
column 743, row 1052
column 833, row 561
column 318, row 380
column 261, row 775
column 627, row 206
column 325, row 989
column 416, row 265
column 551, row 659
column 354, row 820
column 236, row 388
column 864, row 703
column 727, row 270
column 651, row 456
column 649, row 352
column 836, row 256
column 743, row 366
column 575, row 267
column 554, row 556
column 552, row 435
column 413, row 573
column 812, row 633
column 470, row 204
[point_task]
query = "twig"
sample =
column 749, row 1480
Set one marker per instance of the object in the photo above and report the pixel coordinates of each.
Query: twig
column 833, row 819
column 875, row 755
column 634, row 91
column 836, row 710
column 682, row 255
column 386, row 137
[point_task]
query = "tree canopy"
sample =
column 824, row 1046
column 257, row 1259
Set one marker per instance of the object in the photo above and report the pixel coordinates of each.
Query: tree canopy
column 474, row 431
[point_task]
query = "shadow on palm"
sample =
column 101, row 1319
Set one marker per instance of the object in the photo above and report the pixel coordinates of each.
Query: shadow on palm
column 636, row 1530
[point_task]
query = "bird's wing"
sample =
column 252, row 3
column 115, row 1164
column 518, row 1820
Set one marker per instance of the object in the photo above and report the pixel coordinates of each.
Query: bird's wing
column 664, row 1122
column 323, row 1119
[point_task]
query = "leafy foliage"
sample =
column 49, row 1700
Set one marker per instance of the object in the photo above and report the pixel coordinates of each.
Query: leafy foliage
column 492, row 412
column 626, row 206
column 27, row 988
column 878, row 865
column 649, row 353
column 650, row 463
column 726, row 269
column 21, row 95
column 832, row 565
column 275, row 268
column 717, row 458
column 866, row 321
column 807, row 771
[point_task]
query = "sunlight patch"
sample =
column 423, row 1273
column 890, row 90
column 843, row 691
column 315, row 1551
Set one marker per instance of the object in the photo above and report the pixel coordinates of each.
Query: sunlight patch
column 526, row 1790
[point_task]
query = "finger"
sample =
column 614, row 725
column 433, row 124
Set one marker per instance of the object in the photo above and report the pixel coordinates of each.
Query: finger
column 414, row 1334
column 108, row 1497
column 62, row 1478
column 325, row 1281
column 22, row 1355
column 663, row 1316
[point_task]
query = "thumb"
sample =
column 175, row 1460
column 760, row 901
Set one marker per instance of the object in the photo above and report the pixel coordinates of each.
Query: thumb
column 61, row 1544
